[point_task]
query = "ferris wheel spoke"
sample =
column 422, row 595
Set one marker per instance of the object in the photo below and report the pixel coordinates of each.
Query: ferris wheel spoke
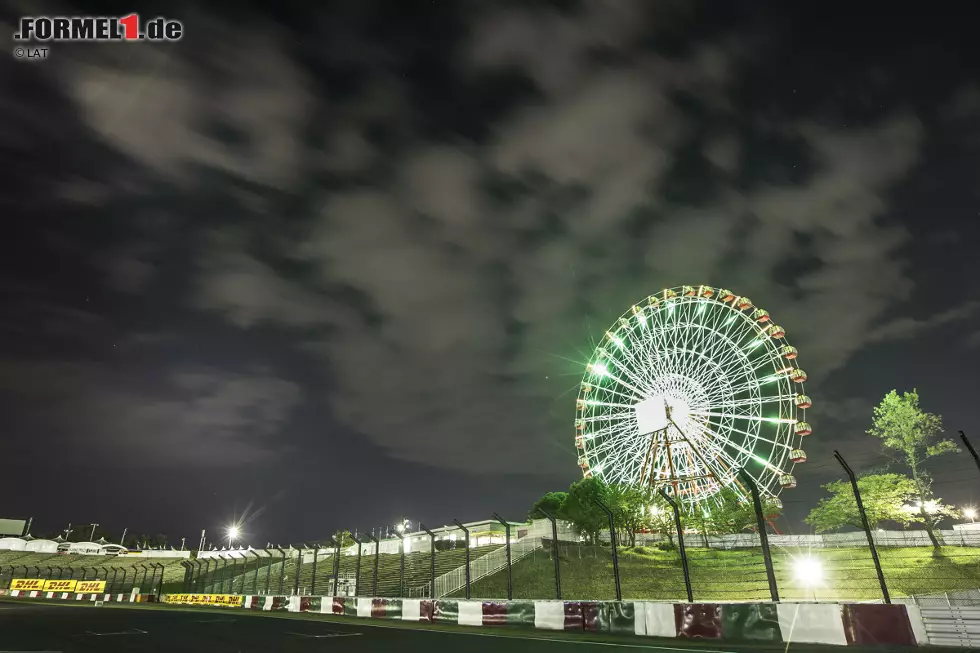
column 780, row 398
column 608, row 392
column 751, row 418
column 607, row 417
column 774, row 361
column 617, row 443
column 605, row 373
column 759, row 436
column 747, row 452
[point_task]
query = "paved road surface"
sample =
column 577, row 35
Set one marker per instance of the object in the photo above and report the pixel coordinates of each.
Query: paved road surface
column 54, row 628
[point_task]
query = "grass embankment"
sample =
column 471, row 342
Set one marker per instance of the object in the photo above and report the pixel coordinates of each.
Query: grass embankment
column 739, row 575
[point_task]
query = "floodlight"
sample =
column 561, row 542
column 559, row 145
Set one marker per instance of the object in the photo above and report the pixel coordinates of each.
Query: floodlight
column 808, row 571
column 970, row 513
column 233, row 532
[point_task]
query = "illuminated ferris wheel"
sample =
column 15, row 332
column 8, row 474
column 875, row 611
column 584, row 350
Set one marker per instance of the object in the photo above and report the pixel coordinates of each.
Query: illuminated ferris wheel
column 686, row 390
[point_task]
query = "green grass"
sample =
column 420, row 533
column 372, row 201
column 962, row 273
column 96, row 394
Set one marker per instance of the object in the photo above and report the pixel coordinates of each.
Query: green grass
column 738, row 575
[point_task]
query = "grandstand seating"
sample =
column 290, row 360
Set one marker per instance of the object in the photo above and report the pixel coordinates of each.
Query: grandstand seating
column 268, row 569
column 121, row 572
column 262, row 572
column 417, row 570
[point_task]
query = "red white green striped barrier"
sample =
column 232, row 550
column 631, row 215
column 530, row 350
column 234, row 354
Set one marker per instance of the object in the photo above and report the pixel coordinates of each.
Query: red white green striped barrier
column 861, row 624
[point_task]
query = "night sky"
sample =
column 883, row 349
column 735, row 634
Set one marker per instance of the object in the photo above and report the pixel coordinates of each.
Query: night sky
column 337, row 267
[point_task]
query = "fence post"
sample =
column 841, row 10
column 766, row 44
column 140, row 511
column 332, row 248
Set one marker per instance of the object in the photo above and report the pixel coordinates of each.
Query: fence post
column 316, row 554
column 188, row 577
column 466, row 534
column 867, row 526
column 680, row 544
column 554, row 551
column 432, row 561
column 204, row 577
column 401, row 569
column 224, row 572
column 336, row 567
column 510, row 576
column 377, row 558
column 160, row 582
column 612, row 543
column 234, row 572
column 255, row 576
column 268, row 571
column 969, row 447
column 299, row 568
column 241, row 585
column 763, row 535
column 282, row 568
column 357, row 569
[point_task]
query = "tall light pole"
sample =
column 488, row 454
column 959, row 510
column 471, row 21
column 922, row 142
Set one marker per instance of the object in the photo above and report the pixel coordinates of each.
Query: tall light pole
column 91, row 537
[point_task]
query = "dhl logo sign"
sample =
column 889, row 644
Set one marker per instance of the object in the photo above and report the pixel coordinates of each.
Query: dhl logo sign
column 59, row 585
column 27, row 584
column 90, row 587
column 204, row 599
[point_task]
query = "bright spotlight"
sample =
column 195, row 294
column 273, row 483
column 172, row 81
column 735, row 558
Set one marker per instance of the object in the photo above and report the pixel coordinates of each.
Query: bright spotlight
column 808, row 571
column 400, row 528
column 233, row 532
column 970, row 513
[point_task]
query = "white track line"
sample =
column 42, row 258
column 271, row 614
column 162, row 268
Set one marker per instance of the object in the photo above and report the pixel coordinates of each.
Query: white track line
column 324, row 636
column 648, row 647
column 134, row 631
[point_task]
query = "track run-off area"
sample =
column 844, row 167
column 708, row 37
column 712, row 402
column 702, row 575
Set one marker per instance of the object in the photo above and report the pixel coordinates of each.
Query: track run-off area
column 40, row 627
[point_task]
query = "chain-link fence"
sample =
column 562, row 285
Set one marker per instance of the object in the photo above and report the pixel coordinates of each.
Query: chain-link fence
column 116, row 575
column 837, row 567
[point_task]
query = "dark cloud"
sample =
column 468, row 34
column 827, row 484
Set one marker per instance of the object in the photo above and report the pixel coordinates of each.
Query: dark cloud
column 188, row 418
column 425, row 231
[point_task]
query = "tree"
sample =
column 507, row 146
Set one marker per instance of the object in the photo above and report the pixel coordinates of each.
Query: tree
column 343, row 538
column 930, row 513
column 913, row 436
column 661, row 517
column 885, row 497
column 630, row 507
column 552, row 502
column 580, row 507
column 732, row 513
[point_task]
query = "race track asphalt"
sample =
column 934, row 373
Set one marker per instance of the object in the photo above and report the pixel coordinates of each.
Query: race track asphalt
column 61, row 628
